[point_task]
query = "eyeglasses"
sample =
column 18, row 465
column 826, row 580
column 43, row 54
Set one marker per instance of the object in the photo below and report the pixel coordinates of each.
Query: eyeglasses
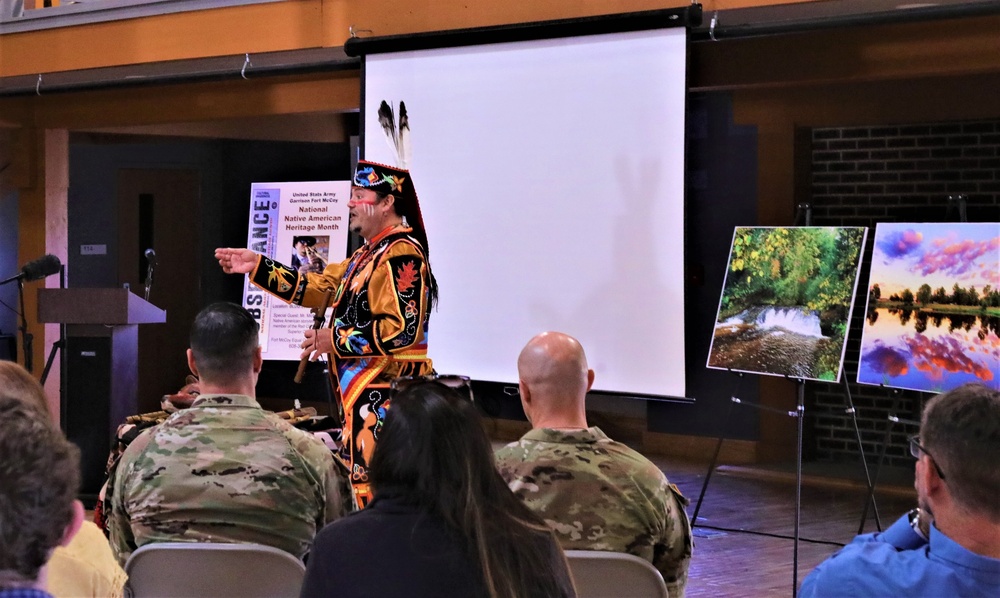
column 462, row 384
column 916, row 449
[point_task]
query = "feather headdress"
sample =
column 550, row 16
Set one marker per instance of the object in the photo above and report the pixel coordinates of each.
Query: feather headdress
column 383, row 178
column 397, row 136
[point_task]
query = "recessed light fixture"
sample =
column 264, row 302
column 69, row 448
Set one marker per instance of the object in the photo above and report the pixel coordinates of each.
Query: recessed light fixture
column 912, row 5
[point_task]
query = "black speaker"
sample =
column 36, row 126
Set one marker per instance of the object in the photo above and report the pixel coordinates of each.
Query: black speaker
column 87, row 410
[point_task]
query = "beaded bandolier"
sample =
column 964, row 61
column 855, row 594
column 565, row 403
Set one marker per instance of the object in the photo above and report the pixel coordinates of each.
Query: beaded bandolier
column 381, row 306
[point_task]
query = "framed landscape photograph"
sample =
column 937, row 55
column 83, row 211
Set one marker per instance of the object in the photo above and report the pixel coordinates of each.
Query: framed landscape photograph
column 786, row 301
column 933, row 315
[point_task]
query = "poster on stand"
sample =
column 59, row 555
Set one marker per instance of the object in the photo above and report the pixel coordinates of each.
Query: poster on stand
column 786, row 301
column 302, row 225
column 932, row 321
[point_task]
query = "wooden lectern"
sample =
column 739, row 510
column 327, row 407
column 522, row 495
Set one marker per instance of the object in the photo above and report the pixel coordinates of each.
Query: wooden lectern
column 100, row 372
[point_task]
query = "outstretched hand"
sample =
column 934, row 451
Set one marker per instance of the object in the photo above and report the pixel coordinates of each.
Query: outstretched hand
column 236, row 261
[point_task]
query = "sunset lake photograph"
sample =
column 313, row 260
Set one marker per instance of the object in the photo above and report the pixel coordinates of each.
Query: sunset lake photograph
column 932, row 320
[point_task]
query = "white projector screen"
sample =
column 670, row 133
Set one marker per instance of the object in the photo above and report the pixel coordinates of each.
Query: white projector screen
column 551, row 178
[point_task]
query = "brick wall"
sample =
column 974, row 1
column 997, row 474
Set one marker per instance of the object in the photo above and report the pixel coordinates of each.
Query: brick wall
column 865, row 175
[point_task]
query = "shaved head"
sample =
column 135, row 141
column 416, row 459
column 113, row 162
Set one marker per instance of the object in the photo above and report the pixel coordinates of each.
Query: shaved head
column 554, row 378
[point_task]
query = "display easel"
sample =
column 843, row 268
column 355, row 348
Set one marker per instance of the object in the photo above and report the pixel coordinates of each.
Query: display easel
column 803, row 216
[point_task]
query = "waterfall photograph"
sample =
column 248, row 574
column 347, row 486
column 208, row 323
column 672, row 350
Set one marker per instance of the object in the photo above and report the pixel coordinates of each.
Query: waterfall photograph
column 933, row 317
column 786, row 301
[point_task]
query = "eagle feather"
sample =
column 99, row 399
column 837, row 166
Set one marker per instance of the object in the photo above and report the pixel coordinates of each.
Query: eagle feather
column 387, row 120
column 403, row 144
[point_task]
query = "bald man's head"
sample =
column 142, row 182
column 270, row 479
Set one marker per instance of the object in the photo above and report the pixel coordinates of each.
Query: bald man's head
column 554, row 377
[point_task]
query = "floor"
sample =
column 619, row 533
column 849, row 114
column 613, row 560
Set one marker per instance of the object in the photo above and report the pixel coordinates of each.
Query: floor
column 762, row 500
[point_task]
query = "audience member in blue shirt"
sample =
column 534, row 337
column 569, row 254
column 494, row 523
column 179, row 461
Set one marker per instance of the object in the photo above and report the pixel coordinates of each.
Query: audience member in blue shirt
column 950, row 545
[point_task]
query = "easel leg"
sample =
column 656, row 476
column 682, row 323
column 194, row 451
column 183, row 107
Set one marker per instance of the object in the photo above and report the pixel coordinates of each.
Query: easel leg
column 711, row 466
column 870, row 499
column 800, row 414
column 864, row 461
column 715, row 456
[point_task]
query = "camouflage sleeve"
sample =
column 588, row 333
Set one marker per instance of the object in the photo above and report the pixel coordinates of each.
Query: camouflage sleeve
column 338, row 484
column 506, row 460
column 330, row 481
column 119, row 525
column 672, row 551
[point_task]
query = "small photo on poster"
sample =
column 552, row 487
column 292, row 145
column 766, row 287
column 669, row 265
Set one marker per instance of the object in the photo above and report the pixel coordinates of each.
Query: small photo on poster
column 310, row 253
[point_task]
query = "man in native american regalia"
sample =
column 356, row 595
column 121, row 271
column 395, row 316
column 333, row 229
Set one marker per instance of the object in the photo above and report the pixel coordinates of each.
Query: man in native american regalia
column 381, row 299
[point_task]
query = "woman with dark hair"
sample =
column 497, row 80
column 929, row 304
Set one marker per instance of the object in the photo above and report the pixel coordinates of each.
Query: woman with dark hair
column 443, row 522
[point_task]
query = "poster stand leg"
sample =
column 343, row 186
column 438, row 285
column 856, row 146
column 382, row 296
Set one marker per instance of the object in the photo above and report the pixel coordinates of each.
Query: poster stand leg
column 799, row 414
column 800, row 409
column 718, row 449
column 881, row 459
column 892, row 419
column 864, row 462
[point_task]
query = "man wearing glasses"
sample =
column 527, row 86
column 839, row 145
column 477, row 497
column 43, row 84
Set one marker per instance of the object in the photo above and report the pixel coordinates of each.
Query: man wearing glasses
column 950, row 544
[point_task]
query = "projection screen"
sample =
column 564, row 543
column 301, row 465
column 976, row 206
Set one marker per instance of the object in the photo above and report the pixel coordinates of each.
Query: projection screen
column 551, row 178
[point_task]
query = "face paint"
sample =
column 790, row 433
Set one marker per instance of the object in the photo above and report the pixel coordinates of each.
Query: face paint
column 360, row 198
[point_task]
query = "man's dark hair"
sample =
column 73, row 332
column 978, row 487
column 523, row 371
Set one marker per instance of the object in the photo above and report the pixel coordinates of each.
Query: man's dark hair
column 39, row 479
column 961, row 429
column 223, row 340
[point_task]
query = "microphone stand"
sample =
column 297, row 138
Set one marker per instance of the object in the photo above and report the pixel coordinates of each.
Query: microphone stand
column 27, row 339
column 149, row 278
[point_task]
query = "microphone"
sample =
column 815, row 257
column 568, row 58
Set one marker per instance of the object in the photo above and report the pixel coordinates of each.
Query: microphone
column 151, row 260
column 46, row 265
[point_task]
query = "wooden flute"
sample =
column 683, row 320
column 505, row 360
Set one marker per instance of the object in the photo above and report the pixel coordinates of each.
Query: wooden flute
column 319, row 317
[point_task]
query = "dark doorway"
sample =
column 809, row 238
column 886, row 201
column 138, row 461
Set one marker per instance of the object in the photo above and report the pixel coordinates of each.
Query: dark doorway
column 159, row 209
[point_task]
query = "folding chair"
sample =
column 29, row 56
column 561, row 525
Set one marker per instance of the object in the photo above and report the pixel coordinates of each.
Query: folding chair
column 614, row 575
column 211, row 570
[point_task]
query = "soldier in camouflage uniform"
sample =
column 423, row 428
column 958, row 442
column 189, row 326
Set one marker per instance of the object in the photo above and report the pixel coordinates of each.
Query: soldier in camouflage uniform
column 224, row 470
column 595, row 493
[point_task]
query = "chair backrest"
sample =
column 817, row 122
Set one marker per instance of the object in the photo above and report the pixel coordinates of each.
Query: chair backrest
column 601, row 574
column 203, row 570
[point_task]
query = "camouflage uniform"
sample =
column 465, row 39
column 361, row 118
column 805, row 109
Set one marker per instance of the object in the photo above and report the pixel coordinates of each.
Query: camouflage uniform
column 598, row 494
column 224, row 470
